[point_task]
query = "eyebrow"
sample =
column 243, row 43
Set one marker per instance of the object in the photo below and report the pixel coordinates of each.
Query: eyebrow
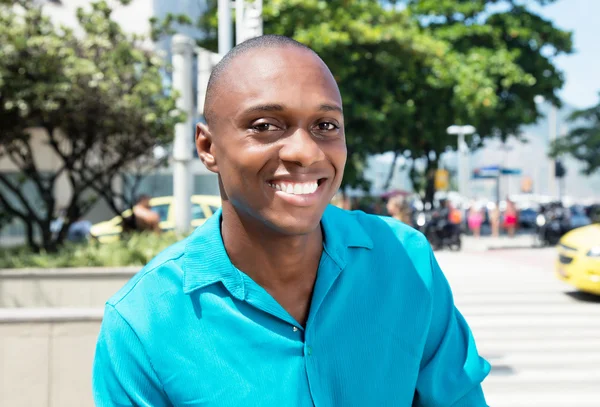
column 330, row 108
column 274, row 107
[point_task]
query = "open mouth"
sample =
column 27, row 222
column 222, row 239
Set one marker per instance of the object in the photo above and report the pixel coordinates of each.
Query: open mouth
column 296, row 188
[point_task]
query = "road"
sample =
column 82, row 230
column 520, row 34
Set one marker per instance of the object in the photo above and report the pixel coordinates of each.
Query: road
column 541, row 337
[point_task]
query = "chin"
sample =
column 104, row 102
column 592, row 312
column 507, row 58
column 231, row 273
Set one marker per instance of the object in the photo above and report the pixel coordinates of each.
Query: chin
column 295, row 224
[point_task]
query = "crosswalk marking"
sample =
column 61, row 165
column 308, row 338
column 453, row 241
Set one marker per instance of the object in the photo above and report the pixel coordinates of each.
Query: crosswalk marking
column 542, row 339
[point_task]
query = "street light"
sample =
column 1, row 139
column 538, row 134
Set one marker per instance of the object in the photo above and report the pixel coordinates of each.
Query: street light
column 463, row 150
column 552, row 125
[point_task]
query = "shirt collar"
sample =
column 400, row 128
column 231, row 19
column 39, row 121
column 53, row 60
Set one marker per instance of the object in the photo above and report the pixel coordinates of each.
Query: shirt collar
column 206, row 261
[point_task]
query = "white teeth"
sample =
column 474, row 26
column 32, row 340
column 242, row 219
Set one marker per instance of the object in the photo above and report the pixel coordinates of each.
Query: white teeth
column 296, row 188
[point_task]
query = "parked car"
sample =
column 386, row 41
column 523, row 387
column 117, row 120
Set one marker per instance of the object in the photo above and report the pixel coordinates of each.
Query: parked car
column 203, row 207
column 578, row 217
column 527, row 218
column 578, row 262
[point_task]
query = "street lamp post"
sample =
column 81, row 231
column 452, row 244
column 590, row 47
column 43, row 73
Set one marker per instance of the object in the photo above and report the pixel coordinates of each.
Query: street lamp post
column 552, row 124
column 183, row 48
column 248, row 23
column 225, row 27
column 463, row 156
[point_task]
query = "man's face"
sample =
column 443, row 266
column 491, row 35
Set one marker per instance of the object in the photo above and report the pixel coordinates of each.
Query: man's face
column 277, row 138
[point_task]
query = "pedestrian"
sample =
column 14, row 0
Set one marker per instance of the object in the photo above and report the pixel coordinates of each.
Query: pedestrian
column 399, row 209
column 494, row 217
column 146, row 219
column 510, row 218
column 79, row 231
column 475, row 219
column 281, row 299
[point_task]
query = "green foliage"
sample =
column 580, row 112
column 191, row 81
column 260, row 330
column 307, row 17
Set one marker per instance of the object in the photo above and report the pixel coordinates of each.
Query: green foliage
column 409, row 69
column 583, row 141
column 137, row 250
column 98, row 100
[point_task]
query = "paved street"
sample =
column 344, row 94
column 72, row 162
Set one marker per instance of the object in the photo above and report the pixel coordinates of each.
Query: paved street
column 541, row 337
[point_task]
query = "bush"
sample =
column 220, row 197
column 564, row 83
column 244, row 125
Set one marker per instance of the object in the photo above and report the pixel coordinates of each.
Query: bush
column 136, row 250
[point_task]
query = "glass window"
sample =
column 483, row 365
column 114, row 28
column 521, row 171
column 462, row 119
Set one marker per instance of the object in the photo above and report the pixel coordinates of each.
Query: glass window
column 197, row 212
column 162, row 210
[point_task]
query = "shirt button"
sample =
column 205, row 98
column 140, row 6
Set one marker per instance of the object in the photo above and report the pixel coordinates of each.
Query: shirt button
column 308, row 351
column 295, row 329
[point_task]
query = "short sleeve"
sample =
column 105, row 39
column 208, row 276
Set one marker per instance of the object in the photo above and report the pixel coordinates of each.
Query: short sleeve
column 451, row 370
column 122, row 373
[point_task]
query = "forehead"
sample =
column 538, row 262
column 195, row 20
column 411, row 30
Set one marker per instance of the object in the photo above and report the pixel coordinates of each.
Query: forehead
column 287, row 75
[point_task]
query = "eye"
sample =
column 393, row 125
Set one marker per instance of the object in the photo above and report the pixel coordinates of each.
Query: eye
column 262, row 127
column 327, row 126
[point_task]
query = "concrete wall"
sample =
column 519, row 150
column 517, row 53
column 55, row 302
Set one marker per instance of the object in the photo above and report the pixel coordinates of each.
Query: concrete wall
column 46, row 362
column 61, row 288
column 49, row 323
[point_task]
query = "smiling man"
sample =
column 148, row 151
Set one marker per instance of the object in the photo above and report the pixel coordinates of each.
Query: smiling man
column 280, row 299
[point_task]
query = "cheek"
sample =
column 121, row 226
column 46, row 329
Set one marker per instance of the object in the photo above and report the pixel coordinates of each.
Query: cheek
column 242, row 164
column 337, row 154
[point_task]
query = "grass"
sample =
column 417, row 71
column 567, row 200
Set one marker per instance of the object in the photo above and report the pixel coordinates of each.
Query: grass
column 136, row 250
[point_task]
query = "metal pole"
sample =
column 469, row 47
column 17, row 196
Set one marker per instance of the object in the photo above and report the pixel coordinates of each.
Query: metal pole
column 204, row 69
column 552, row 162
column 225, row 26
column 239, row 21
column 182, row 47
column 461, row 163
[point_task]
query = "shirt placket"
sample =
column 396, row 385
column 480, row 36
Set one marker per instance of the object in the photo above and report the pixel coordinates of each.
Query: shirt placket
column 329, row 271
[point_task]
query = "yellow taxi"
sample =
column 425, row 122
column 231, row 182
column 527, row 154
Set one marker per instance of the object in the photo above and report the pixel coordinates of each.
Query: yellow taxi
column 203, row 206
column 578, row 261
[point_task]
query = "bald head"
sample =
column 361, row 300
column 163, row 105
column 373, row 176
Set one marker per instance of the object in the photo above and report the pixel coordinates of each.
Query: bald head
column 216, row 82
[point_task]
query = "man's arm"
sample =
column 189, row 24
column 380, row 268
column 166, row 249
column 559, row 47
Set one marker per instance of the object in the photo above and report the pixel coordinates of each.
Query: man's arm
column 122, row 373
column 452, row 370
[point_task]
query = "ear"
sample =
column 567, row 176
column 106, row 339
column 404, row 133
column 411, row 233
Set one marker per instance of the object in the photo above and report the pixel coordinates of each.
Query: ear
column 205, row 147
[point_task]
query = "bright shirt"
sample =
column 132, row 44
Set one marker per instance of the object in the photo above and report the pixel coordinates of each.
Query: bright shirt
column 192, row 330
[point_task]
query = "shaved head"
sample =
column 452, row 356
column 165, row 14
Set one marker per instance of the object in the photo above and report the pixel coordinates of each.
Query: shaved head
column 217, row 75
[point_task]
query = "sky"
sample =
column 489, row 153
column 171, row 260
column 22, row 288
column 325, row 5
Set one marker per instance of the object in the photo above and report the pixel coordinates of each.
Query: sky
column 582, row 68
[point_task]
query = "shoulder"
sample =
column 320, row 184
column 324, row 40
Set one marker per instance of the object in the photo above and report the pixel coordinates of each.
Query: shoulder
column 394, row 246
column 162, row 272
column 383, row 230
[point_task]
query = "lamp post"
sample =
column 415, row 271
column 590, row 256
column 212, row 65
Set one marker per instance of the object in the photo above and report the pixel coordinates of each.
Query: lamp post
column 463, row 156
column 248, row 20
column 225, row 27
column 183, row 48
column 552, row 124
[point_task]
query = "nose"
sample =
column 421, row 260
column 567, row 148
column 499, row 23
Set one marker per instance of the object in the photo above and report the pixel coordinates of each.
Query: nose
column 301, row 148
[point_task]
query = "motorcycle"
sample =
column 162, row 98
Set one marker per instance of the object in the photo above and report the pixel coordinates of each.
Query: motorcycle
column 439, row 231
column 552, row 224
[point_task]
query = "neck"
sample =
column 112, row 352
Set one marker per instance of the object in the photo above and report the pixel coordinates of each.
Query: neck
column 271, row 259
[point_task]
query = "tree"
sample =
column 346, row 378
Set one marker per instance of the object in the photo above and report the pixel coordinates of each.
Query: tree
column 583, row 141
column 515, row 36
column 96, row 99
column 409, row 69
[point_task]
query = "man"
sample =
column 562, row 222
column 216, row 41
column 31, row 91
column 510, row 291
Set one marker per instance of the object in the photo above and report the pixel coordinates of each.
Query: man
column 280, row 299
column 144, row 217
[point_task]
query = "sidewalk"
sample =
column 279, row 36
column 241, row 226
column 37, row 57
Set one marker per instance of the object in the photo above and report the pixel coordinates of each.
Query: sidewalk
column 484, row 243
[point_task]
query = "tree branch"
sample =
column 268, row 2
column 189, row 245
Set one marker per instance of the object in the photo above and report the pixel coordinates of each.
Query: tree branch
column 18, row 194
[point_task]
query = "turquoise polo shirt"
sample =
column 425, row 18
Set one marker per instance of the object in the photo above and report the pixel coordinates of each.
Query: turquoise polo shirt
column 192, row 330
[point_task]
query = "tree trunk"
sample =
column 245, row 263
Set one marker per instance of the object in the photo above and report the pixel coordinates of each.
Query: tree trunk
column 414, row 176
column 432, row 167
column 29, row 230
column 392, row 170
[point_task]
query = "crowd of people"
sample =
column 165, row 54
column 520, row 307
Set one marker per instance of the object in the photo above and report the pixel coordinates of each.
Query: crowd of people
column 471, row 217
